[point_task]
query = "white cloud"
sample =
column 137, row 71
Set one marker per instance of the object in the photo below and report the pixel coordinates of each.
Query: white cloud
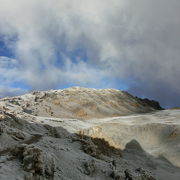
column 129, row 40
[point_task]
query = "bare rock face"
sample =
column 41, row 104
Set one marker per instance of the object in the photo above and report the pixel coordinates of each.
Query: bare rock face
column 151, row 103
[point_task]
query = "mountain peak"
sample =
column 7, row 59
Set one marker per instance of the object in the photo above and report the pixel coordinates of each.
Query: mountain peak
column 83, row 103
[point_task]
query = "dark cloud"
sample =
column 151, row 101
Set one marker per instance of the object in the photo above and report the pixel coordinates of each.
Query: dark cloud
column 158, row 91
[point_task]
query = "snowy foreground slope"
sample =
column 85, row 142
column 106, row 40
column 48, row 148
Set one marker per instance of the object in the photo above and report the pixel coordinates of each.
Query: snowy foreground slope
column 83, row 134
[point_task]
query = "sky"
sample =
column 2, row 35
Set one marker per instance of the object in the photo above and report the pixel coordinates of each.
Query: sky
column 133, row 45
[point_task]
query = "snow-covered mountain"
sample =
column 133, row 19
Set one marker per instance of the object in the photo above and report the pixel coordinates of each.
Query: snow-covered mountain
column 86, row 134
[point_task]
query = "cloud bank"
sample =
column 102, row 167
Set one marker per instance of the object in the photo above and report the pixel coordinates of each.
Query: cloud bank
column 97, row 43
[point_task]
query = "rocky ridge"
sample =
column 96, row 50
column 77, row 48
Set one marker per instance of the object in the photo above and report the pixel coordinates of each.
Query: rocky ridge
column 81, row 103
